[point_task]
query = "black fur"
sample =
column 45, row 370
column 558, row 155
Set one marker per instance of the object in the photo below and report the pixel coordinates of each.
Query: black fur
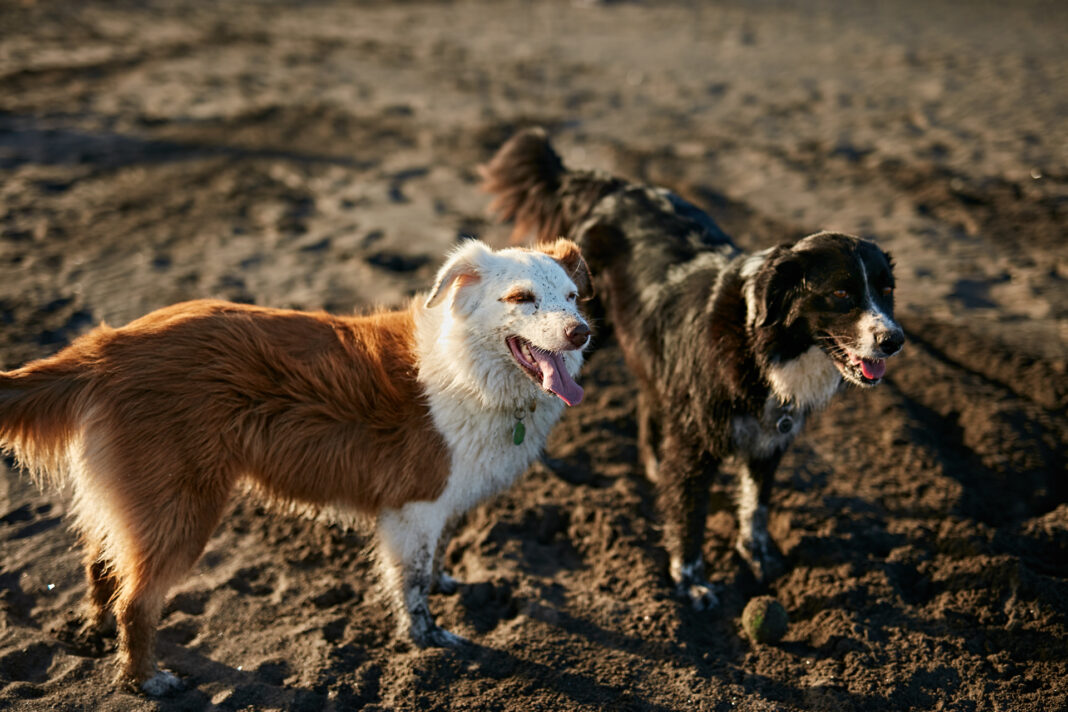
column 719, row 341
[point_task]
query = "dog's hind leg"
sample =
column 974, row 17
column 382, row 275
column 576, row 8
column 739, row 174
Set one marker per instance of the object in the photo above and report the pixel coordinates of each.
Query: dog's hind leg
column 648, row 437
column 102, row 586
column 754, row 544
column 137, row 613
column 165, row 532
column 85, row 631
column 408, row 540
column 682, row 497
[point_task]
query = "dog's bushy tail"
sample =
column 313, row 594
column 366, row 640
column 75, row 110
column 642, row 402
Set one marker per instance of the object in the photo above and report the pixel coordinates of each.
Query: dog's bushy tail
column 534, row 189
column 41, row 405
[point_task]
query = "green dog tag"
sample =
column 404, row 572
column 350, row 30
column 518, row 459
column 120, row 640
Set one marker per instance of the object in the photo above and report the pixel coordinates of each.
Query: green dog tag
column 518, row 433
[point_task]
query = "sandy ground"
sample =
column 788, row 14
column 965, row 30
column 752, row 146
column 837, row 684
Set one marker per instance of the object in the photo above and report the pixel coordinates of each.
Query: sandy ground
column 322, row 155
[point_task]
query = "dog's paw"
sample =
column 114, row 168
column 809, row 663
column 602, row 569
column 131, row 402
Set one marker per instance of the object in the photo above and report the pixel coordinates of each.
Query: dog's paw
column 161, row 684
column 701, row 595
column 439, row 638
column 446, row 584
column 762, row 557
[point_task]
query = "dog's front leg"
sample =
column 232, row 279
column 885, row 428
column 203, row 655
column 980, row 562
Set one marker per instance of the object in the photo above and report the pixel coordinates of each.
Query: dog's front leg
column 440, row 580
column 682, row 496
column 408, row 540
column 754, row 544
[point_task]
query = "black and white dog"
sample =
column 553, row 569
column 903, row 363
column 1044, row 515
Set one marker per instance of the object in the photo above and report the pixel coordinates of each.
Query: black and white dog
column 731, row 350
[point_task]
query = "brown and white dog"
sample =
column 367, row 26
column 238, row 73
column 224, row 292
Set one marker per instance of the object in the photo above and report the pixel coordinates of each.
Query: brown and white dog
column 412, row 415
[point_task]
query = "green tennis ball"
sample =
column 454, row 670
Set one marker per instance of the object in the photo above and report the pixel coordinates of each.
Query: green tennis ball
column 764, row 620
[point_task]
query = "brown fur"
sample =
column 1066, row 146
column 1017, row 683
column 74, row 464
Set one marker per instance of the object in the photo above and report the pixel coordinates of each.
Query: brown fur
column 157, row 421
column 570, row 258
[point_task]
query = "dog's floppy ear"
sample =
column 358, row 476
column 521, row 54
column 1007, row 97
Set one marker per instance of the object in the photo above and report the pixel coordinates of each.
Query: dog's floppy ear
column 569, row 256
column 776, row 282
column 462, row 268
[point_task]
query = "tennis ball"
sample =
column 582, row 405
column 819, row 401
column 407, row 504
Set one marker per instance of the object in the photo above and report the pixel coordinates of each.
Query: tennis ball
column 764, row 620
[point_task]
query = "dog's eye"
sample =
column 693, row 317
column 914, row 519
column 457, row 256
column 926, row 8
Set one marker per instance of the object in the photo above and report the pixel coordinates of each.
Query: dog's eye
column 572, row 296
column 887, row 291
column 841, row 294
column 519, row 296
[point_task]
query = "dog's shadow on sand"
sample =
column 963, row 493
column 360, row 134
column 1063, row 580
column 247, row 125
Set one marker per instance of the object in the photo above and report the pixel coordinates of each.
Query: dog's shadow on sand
column 721, row 663
column 559, row 675
column 707, row 645
column 229, row 687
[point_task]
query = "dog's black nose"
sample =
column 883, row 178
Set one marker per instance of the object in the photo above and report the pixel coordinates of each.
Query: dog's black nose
column 891, row 341
column 578, row 334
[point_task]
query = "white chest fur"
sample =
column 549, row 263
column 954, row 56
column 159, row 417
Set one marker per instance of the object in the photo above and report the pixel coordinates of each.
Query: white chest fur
column 485, row 458
column 810, row 380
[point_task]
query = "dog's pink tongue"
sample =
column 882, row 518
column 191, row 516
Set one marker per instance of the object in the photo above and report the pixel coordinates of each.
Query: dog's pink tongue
column 555, row 378
column 873, row 370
